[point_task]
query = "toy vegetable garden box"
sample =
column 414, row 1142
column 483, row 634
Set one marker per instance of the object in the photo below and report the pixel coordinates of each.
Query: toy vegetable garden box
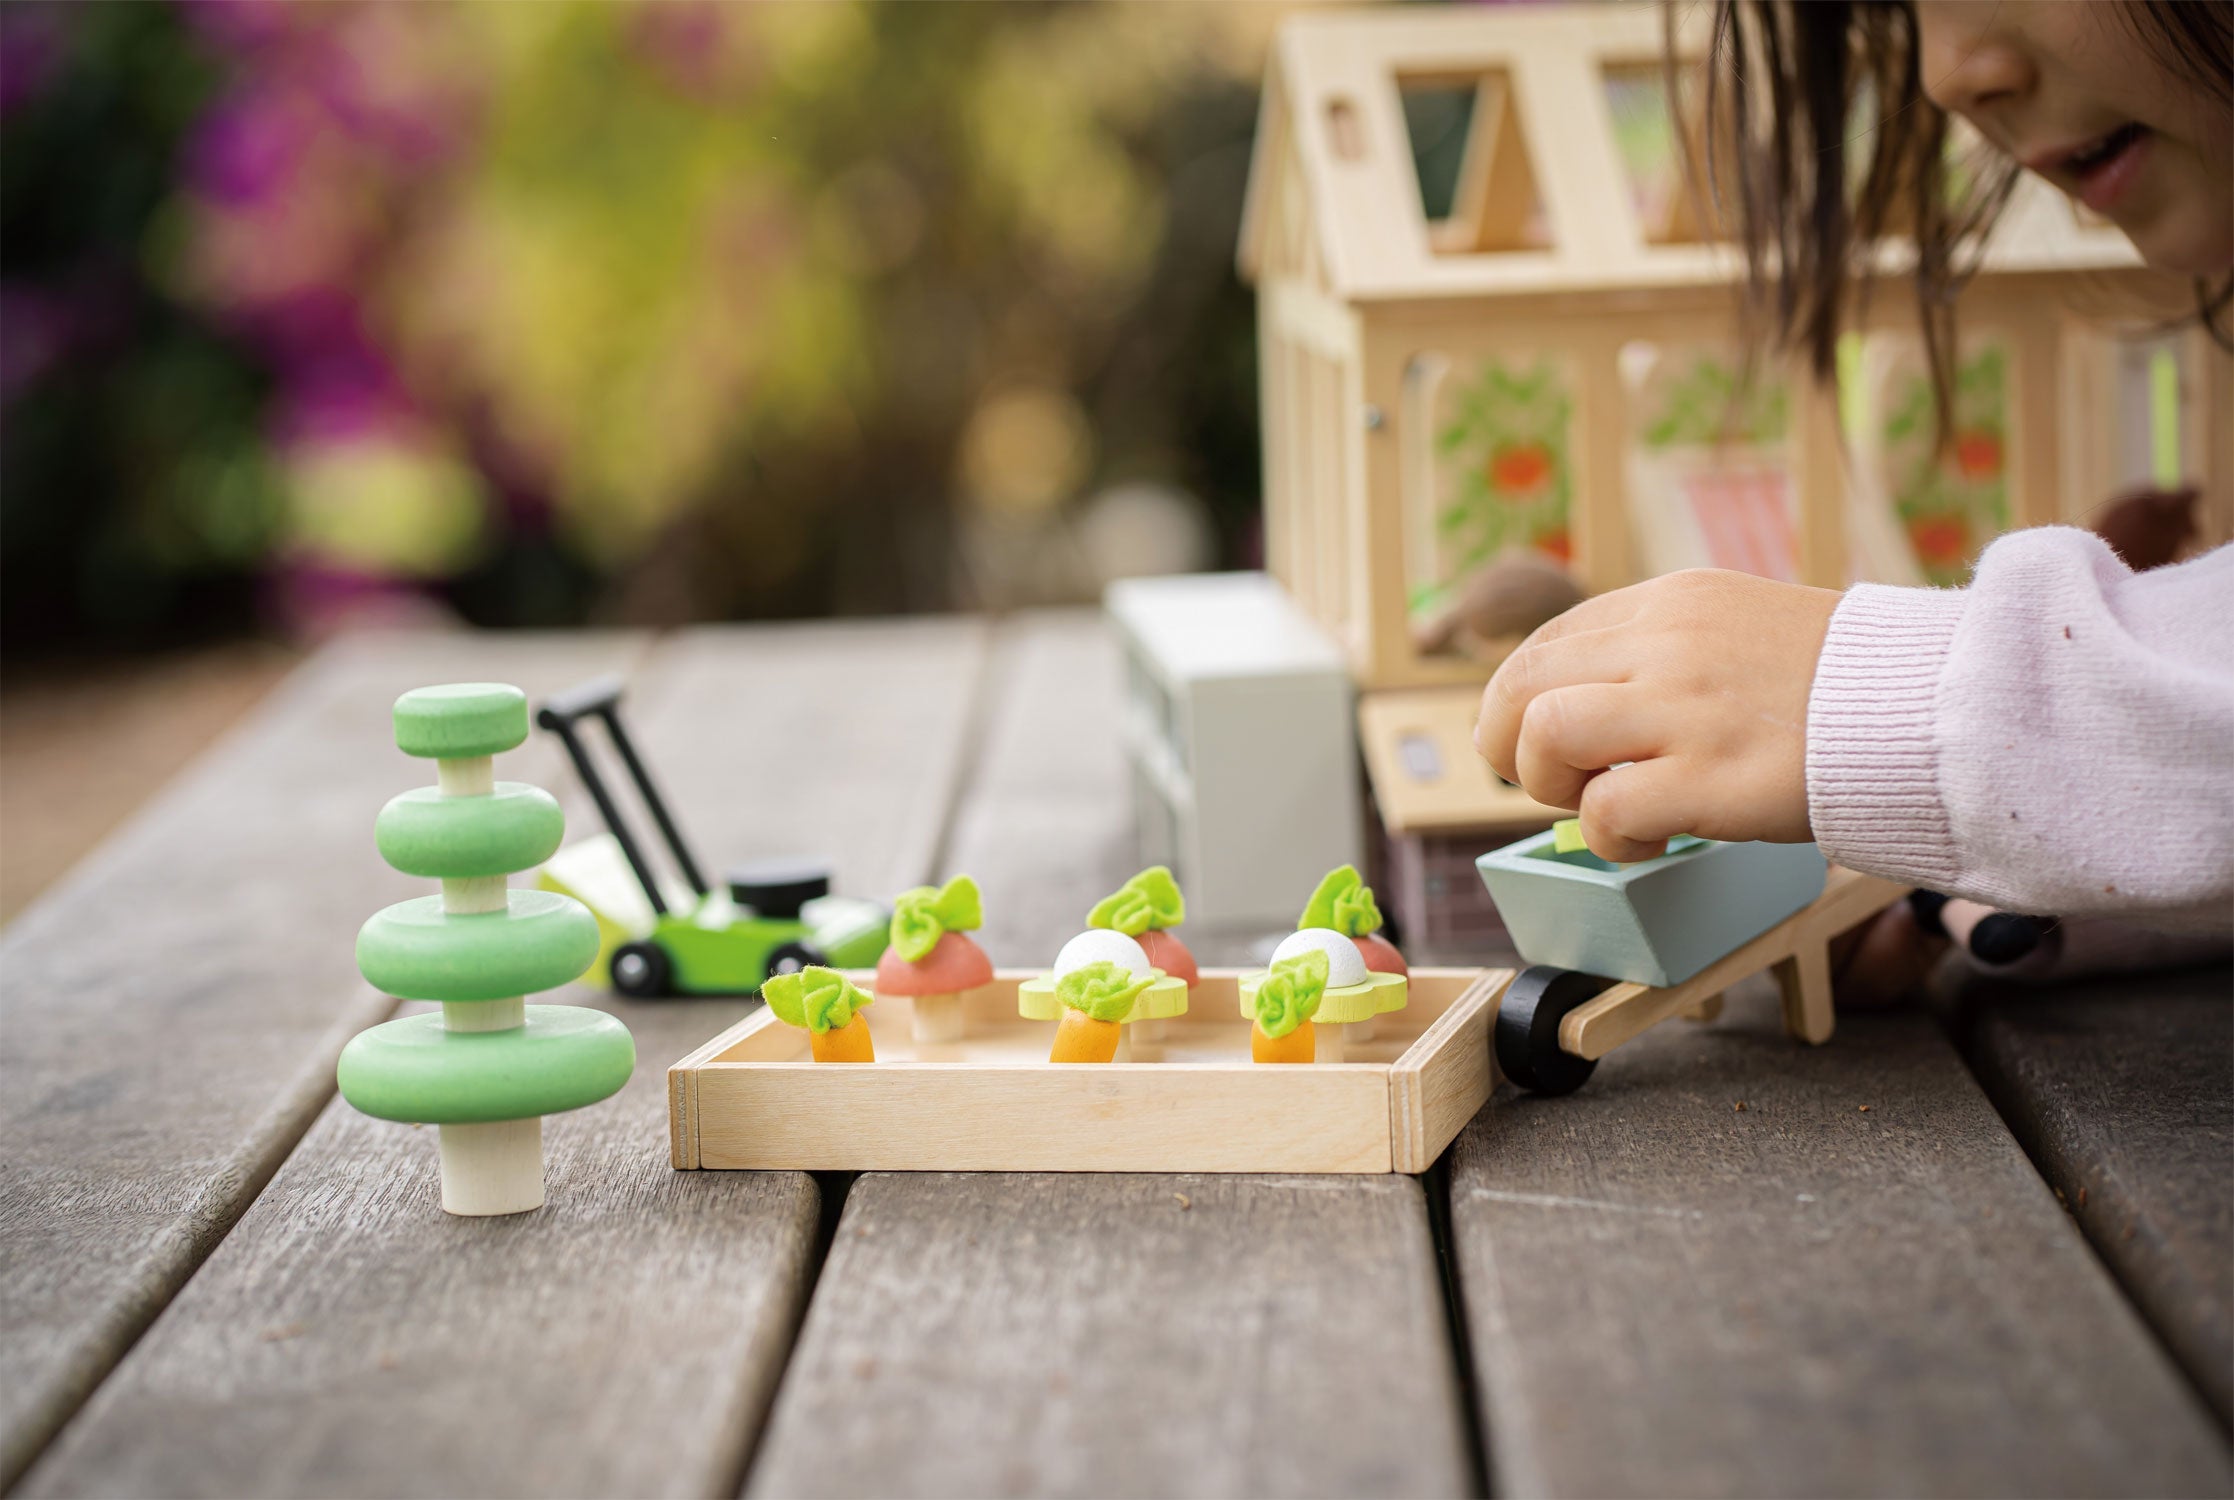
column 1121, row 1056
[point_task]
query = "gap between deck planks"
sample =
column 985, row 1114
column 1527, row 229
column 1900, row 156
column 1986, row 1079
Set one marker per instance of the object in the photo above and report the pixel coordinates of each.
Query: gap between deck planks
column 2122, row 1092
column 174, row 1006
column 1672, row 1296
column 1110, row 1335
column 349, row 1338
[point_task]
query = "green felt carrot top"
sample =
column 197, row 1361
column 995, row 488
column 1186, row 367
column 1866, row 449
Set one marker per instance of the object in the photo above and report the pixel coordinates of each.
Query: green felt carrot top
column 1343, row 902
column 1290, row 994
column 1102, row 990
column 821, row 1000
column 924, row 915
column 1150, row 901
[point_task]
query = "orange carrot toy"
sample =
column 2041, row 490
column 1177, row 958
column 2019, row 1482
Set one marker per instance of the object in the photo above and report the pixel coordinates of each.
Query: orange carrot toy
column 1096, row 1001
column 824, row 1003
column 1286, row 1001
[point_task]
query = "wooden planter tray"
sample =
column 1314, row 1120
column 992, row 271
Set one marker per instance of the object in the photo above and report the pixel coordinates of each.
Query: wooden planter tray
column 751, row 1098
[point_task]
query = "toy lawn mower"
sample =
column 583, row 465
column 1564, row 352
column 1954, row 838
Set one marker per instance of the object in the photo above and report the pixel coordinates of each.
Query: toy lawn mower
column 772, row 917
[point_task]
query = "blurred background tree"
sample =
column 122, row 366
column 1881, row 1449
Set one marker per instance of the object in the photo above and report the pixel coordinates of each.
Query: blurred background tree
column 543, row 314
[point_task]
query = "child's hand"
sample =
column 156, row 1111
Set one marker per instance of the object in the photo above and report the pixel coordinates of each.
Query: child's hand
column 1700, row 679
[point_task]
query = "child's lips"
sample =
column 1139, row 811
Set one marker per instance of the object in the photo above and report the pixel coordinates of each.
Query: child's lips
column 2097, row 172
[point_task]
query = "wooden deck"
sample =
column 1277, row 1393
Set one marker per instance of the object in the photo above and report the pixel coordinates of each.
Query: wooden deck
column 1990, row 1256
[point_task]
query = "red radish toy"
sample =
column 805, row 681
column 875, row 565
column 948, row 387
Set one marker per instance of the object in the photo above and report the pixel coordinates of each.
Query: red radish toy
column 1146, row 907
column 1344, row 902
column 932, row 961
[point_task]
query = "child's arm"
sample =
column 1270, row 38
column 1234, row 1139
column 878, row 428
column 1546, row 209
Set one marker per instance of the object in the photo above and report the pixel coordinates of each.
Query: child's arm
column 2057, row 738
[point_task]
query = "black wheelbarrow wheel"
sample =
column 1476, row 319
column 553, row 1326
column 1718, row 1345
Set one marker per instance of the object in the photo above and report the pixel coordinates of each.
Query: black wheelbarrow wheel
column 1526, row 1035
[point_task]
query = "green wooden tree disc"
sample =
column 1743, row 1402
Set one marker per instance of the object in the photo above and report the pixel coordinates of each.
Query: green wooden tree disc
column 413, row 1070
column 417, row 951
column 461, row 719
column 423, row 832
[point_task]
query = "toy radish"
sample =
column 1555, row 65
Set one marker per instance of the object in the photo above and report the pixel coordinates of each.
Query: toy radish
column 1286, row 1000
column 1344, row 903
column 932, row 960
column 1146, row 907
column 826, row 1005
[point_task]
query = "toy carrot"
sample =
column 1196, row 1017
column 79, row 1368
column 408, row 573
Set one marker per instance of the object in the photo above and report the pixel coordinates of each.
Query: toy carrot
column 1344, row 903
column 1286, row 1001
column 825, row 1004
column 932, row 960
column 1146, row 907
column 1096, row 999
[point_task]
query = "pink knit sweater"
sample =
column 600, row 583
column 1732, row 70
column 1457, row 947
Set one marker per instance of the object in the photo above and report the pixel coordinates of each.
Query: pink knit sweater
column 2058, row 738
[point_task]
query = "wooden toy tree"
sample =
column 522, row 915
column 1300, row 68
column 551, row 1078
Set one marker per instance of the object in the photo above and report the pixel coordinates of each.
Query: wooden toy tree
column 489, row 1066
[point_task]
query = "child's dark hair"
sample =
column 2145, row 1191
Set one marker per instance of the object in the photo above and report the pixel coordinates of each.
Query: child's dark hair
column 1820, row 140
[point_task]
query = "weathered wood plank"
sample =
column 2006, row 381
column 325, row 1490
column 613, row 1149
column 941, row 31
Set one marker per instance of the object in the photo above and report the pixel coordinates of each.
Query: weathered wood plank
column 2122, row 1092
column 1854, row 1284
column 1109, row 1336
column 172, row 1009
column 348, row 1338
column 1066, row 1335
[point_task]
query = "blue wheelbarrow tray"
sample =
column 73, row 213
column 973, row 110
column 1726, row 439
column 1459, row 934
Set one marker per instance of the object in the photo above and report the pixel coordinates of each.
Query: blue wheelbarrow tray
column 1657, row 922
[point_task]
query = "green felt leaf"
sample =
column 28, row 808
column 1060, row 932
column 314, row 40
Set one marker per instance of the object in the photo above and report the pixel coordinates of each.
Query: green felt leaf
column 1291, row 993
column 1343, row 902
column 818, row 999
column 1150, row 901
column 924, row 915
column 1103, row 990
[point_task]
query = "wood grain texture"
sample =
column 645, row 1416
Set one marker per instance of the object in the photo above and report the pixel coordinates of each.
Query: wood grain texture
column 350, row 1339
column 1109, row 1335
column 1854, row 1284
column 2122, row 1092
column 1113, row 1336
column 1440, row 1084
column 174, row 1007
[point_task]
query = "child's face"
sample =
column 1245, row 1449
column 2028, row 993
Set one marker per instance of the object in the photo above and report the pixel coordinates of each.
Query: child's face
column 2073, row 92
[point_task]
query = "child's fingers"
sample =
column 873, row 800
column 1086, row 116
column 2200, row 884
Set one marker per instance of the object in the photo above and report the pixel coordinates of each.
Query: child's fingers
column 1570, row 734
column 1630, row 812
column 1533, row 670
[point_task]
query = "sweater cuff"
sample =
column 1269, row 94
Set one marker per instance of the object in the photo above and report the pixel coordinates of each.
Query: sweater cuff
column 1872, row 756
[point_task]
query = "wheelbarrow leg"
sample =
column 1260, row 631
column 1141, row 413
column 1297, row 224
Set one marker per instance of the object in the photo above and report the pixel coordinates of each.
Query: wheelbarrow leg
column 1709, row 1009
column 1805, row 980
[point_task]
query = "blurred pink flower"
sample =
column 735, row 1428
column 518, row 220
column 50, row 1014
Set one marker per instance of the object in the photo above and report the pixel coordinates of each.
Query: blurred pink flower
column 31, row 44
column 246, row 149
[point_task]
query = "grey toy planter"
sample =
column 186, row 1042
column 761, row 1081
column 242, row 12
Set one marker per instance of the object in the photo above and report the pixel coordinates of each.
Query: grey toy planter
column 1655, row 923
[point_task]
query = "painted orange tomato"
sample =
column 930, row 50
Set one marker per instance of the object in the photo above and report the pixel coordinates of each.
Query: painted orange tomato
column 1939, row 540
column 1978, row 453
column 1556, row 544
column 1519, row 468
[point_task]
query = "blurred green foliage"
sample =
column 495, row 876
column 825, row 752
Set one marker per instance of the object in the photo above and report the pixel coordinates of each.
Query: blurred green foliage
column 135, row 492
column 583, row 310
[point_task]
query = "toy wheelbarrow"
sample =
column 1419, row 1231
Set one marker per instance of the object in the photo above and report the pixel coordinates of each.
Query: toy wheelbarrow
column 1613, row 950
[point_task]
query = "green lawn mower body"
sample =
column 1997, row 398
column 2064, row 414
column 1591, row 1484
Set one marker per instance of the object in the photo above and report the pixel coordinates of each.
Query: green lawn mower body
column 682, row 936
